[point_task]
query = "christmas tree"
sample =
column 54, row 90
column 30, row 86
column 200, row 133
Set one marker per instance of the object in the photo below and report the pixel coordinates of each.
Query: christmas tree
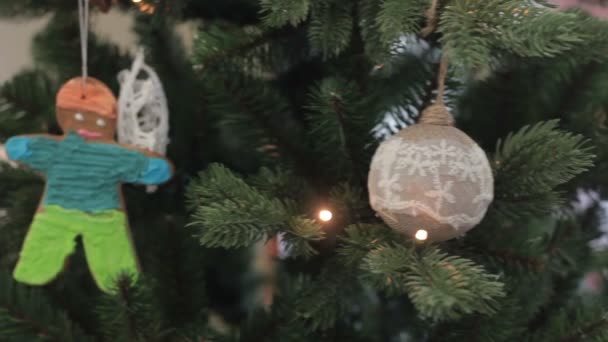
column 266, row 232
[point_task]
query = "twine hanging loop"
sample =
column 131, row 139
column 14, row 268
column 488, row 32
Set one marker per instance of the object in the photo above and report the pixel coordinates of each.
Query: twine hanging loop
column 438, row 113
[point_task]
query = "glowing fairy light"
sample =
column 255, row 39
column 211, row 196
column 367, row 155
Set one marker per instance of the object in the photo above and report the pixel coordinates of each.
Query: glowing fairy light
column 422, row 234
column 325, row 215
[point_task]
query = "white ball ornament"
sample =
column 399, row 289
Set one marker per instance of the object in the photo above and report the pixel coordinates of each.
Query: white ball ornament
column 431, row 181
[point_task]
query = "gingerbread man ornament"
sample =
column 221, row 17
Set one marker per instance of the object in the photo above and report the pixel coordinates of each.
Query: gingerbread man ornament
column 84, row 169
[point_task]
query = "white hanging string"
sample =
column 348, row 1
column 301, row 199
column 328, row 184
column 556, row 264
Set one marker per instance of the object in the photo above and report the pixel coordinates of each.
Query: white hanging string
column 83, row 20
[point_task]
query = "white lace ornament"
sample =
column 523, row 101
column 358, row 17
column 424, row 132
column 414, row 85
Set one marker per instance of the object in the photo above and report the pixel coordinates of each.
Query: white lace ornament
column 430, row 178
column 143, row 115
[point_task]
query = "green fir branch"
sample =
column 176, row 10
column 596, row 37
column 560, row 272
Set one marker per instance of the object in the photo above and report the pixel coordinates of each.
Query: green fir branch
column 27, row 104
column 281, row 183
column 129, row 313
column 254, row 51
column 27, row 315
column 339, row 129
column 321, row 302
column 217, row 43
column 375, row 47
column 476, row 32
column 231, row 213
column 386, row 268
column 349, row 204
column 331, row 26
column 530, row 164
column 359, row 239
column 276, row 13
column 441, row 287
column 398, row 18
column 504, row 326
column 575, row 325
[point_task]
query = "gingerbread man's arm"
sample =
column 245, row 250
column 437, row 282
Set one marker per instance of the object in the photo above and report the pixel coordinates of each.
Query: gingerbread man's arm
column 159, row 169
column 35, row 151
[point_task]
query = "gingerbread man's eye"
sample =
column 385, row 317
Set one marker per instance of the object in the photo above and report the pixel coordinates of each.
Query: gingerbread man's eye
column 101, row 122
column 79, row 117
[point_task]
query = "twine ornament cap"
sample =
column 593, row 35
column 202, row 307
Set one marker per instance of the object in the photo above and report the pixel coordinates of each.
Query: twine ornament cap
column 437, row 114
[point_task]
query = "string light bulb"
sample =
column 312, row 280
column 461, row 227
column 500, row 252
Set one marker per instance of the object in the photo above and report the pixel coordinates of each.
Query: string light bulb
column 422, row 234
column 325, row 215
column 144, row 7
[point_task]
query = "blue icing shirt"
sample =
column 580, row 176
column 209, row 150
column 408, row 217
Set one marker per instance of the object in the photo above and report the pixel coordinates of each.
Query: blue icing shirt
column 86, row 176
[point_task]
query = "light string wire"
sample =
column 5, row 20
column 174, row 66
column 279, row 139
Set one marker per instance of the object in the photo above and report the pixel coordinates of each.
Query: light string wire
column 83, row 21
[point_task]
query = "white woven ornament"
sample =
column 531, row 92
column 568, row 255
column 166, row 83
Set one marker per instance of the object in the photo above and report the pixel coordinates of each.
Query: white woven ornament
column 431, row 181
column 143, row 115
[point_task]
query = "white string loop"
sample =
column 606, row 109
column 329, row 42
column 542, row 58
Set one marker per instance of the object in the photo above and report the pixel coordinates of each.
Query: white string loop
column 83, row 20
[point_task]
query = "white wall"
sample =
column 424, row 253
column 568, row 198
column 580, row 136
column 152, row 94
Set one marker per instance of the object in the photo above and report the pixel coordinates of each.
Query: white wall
column 16, row 36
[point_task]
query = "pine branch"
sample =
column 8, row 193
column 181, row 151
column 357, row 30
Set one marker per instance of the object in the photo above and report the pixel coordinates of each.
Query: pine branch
column 276, row 13
column 331, row 26
column 360, row 239
column 574, row 324
column 375, row 47
column 588, row 330
column 212, row 45
column 531, row 163
column 476, row 32
column 397, row 18
column 534, row 264
column 506, row 325
column 441, row 287
column 581, row 82
column 339, row 129
column 349, row 204
column 337, row 108
column 130, row 313
column 26, row 315
column 255, row 116
column 231, row 214
column 400, row 87
column 26, row 104
column 281, row 183
column 324, row 301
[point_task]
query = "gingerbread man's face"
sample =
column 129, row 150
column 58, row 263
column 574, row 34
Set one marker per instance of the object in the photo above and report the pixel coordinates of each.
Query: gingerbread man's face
column 89, row 125
column 87, row 107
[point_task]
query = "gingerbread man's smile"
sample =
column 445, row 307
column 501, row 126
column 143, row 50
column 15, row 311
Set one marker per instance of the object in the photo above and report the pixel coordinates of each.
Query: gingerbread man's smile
column 88, row 134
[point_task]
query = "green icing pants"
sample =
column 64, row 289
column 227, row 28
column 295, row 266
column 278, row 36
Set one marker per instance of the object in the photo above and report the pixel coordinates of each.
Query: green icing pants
column 51, row 239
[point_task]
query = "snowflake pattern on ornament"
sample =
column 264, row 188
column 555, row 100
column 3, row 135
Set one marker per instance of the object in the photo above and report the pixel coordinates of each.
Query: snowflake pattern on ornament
column 446, row 180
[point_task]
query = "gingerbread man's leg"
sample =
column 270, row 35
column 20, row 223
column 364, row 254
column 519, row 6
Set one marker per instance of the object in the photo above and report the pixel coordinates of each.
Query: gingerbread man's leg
column 109, row 250
column 48, row 243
